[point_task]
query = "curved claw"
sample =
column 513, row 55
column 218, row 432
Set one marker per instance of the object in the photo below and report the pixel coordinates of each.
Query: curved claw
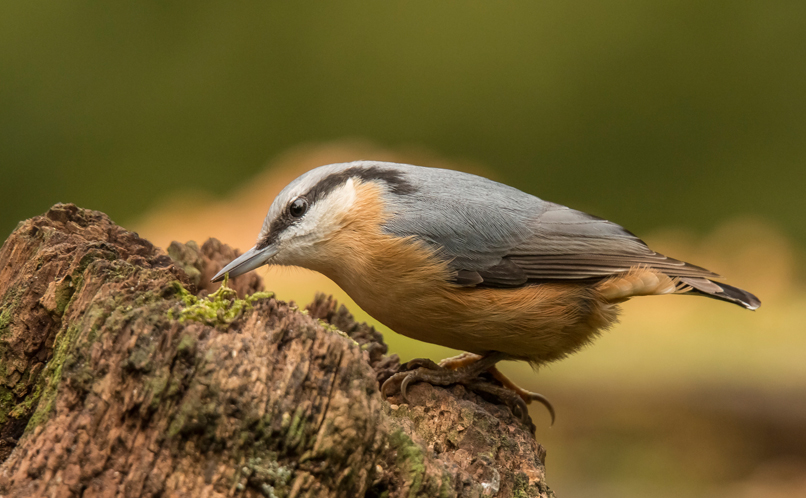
column 404, row 386
column 417, row 375
column 417, row 370
column 391, row 381
column 545, row 402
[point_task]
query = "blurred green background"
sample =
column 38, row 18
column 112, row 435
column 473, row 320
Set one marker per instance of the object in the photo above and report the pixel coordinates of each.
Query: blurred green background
column 649, row 113
column 659, row 114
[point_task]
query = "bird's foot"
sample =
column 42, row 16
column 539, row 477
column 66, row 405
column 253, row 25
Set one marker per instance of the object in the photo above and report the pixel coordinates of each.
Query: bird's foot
column 425, row 370
column 466, row 369
column 526, row 396
column 465, row 359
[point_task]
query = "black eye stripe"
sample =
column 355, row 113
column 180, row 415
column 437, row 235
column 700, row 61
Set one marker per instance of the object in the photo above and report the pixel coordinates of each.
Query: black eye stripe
column 394, row 179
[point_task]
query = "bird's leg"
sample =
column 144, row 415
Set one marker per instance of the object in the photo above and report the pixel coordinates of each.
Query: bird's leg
column 462, row 360
column 465, row 369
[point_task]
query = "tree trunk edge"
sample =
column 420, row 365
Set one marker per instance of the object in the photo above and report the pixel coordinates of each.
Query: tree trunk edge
column 107, row 389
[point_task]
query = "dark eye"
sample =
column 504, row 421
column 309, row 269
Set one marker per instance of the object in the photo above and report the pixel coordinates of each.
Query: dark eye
column 298, row 207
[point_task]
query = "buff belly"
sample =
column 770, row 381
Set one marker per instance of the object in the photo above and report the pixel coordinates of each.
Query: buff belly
column 537, row 323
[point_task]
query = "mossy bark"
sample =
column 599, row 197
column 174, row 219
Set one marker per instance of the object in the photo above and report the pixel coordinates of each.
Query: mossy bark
column 109, row 386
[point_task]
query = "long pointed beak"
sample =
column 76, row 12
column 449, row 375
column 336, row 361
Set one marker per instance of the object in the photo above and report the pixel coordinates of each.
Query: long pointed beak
column 251, row 259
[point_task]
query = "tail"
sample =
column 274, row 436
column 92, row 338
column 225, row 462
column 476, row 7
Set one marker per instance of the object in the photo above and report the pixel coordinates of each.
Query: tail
column 643, row 281
column 715, row 290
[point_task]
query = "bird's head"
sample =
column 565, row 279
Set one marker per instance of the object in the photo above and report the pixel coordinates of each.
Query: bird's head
column 310, row 210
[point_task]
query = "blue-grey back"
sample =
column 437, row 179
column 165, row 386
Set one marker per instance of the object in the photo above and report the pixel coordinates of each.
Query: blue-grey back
column 474, row 221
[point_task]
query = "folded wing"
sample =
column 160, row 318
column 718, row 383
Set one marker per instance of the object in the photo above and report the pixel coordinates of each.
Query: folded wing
column 569, row 245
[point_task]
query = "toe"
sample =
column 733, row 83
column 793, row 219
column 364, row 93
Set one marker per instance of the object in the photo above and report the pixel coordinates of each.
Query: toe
column 422, row 363
column 392, row 383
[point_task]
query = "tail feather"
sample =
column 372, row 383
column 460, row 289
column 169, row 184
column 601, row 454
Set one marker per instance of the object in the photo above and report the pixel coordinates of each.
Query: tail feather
column 639, row 281
column 723, row 292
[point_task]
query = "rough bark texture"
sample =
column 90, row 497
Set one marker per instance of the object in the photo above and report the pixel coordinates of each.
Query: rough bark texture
column 117, row 378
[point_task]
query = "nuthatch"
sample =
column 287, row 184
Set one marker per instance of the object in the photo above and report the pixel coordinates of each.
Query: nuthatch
column 462, row 261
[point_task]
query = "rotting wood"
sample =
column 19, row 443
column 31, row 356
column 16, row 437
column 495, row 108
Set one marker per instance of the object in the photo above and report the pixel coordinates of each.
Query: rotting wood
column 107, row 388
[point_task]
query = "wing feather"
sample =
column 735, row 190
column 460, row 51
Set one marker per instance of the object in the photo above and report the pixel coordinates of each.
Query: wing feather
column 569, row 244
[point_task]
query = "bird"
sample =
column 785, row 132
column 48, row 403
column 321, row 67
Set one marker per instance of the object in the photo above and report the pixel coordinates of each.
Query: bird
column 462, row 261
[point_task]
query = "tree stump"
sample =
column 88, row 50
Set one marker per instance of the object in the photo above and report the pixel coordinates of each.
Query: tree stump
column 123, row 374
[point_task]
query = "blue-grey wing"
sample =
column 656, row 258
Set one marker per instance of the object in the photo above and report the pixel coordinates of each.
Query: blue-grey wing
column 570, row 244
column 495, row 235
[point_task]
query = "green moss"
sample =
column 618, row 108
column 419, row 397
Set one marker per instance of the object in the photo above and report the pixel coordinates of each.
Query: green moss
column 64, row 293
column 185, row 414
column 7, row 401
column 446, row 490
column 295, row 437
column 267, row 475
column 174, row 387
column 11, row 300
column 219, row 308
column 123, row 271
column 263, row 428
column 40, row 401
column 80, row 373
column 158, row 385
column 187, row 298
column 92, row 255
column 70, row 285
column 520, row 486
column 44, row 394
column 140, row 357
column 186, row 345
column 332, row 328
column 144, row 299
column 196, row 415
column 410, row 458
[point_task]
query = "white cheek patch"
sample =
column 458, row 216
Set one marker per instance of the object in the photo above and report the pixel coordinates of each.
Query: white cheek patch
column 323, row 218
